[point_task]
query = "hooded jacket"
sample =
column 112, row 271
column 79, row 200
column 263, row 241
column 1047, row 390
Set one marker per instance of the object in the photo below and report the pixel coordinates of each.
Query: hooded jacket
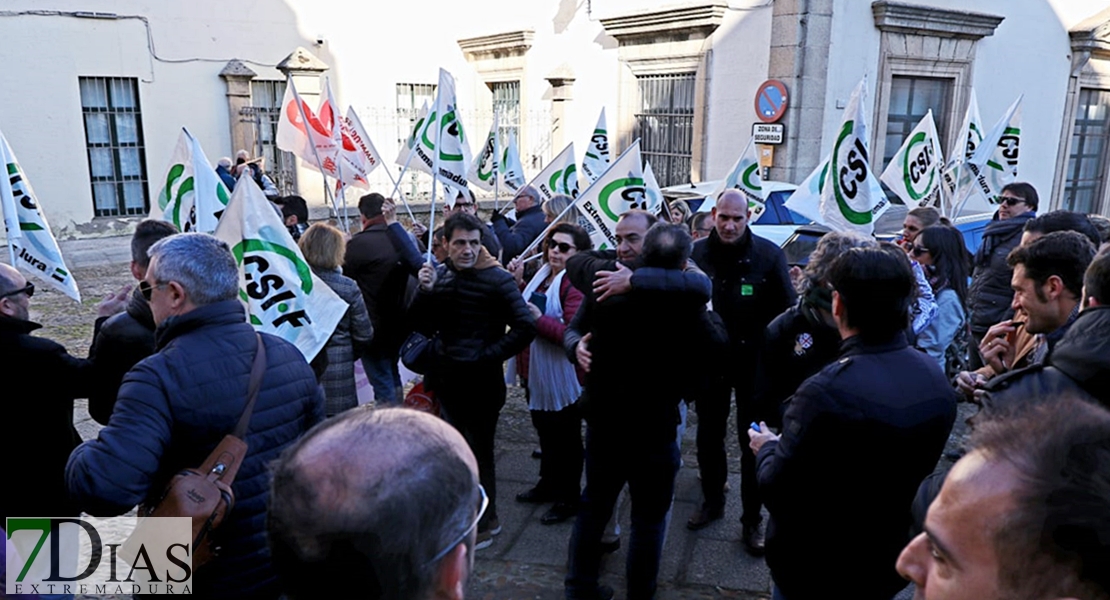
column 119, row 343
column 990, row 295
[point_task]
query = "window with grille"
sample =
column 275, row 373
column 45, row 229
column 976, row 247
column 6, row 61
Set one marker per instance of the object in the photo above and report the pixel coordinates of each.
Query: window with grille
column 665, row 125
column 506, row 104
column 1087, row 157
column 114, row 140
column 265, row 111
column 910, row 99
column 410, row 99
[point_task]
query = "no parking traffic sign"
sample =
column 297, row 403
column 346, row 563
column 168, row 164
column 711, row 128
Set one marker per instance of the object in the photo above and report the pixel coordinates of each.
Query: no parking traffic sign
column 770, row 101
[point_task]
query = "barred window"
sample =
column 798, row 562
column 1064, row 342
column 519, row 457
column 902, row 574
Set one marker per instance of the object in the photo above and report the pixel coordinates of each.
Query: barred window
column 410, row 99
column 506, row 104
column 1087, row 156
column 665, row 125
column 265, row 111
column 910, row 99
column 114, row 139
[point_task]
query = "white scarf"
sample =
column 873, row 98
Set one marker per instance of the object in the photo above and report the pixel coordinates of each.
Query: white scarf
column 552, row 381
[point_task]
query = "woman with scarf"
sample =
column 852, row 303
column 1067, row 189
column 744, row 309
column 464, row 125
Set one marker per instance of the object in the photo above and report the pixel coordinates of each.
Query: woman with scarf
column 941, row 252
column 551, row 382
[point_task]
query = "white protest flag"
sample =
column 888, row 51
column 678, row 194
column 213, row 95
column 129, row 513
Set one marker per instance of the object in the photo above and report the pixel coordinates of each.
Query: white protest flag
column 312, row 142
column 968, row 139
column 483, row 171
column 596, row 159
column 560, row 176
column 994, row 163
column 33, row 245
column 327, row 111
column 192, row 196
column 743, row 176
column 364, row 157
column 806, row 199
column 443, row 124
column 512, row 172
column 282, row 295
column 618, row 190
column 913, row 173
column 652, row 192
column 849, row 202
column 406, row 148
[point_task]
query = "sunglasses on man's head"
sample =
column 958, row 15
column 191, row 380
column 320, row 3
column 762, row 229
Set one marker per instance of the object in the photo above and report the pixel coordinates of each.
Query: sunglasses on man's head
column 562, row 246
column 28, row 289
column 1011, row 200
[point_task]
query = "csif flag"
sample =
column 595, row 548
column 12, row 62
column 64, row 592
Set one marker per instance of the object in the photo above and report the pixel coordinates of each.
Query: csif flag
column 654, row 194
column 913, row 173
column 560, row 176
column 35, row 249
column 451, row 160
column 806, row 198
column 596, row 159
column 848, row 201
column 512, row 171
column 283, row 297
column 968, row 139
column 410, row 141
column 192, row 196
column 744, row 176
column 484, row 170
column 619, row 189
column 995, row 161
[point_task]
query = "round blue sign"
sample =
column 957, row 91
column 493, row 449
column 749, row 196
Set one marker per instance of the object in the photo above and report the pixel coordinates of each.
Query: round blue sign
column 770, row 101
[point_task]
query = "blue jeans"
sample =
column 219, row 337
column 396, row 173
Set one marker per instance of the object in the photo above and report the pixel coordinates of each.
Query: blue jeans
column 384, row 378
column 649, row 467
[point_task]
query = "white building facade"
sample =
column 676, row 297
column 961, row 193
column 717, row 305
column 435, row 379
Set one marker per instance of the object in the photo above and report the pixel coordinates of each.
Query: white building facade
column 97, row 91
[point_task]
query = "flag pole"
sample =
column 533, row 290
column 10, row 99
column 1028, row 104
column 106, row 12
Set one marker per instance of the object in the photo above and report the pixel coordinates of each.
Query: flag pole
column 397, row 190
column 435, row 170
column 315, row 154
column 496, row 161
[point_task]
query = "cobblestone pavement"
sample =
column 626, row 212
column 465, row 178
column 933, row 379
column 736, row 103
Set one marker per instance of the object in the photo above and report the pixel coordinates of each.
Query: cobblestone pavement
column 527, row 560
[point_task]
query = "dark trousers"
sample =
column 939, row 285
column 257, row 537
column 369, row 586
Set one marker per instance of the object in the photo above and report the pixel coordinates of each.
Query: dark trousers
column 471, row 401
column 561, row 445
column 713, row 409
column 649, row 466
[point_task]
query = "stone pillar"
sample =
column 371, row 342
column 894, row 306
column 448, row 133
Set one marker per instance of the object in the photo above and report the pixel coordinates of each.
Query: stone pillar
column 562, row 84
column 801, row 32
column 238, row 78
column 304, row 69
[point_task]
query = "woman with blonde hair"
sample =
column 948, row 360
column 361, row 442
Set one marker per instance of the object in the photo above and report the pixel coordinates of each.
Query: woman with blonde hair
column 553, row 209
column 323, row 247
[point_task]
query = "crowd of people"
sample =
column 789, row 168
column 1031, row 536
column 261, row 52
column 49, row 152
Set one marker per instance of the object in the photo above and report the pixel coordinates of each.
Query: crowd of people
column 845, row 374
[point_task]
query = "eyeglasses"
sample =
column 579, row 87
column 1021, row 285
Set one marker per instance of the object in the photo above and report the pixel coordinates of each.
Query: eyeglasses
column 1011, row 200
column 919, row 250
column 562, row 246
column 146, row 289
column 28, row 289
column 483, row 504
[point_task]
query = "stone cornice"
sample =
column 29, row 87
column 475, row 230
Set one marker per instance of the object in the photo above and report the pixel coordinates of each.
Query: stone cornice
column 236, row 68
column 1092, row 35
column 689, row 22
column 302, row 60
column 938, row 22
column 513, row 43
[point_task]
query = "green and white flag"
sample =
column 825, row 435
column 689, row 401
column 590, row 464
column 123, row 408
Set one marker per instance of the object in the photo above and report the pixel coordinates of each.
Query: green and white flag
column 618, row 190
column 453, row 160
column 848, row 201
column 744, row 176
column 406, row 148
column 969, row 138
column 596, row 159
column 654, row 194
column 560, row 176
column 994, row 164
column 282, row 295
column 483, row 172
column 193, row 197
column 33, row 245
column 914, row 171
column 512, row 172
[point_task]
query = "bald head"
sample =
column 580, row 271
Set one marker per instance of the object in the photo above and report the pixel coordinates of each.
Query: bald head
column 730, row 216
column 14, row 302
column 367, row 500
column 10, row 278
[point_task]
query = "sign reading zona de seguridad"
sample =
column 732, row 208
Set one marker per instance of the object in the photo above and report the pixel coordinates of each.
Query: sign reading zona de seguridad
column 768, row 133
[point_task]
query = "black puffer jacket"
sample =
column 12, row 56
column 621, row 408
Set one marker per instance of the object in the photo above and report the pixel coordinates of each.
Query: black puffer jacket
column 1079, row 364
column 751, row 286
column 797, row 345
column 174, row 408
column 467, row 312
column 990, row 295
column 119, row 343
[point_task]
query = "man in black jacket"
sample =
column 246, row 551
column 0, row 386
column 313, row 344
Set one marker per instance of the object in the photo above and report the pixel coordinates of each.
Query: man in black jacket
column 465, row 305
column 751, row 286
column 530, row 223
column 121, row 341
column 857, row 440
column 375, row 264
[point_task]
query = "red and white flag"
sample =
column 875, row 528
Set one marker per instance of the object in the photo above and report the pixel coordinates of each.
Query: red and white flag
column 301, row 132
column 358, row 153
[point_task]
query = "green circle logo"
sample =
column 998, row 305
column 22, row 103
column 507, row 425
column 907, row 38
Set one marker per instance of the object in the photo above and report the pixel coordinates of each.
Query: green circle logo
column 622, row 195
column 849, row 170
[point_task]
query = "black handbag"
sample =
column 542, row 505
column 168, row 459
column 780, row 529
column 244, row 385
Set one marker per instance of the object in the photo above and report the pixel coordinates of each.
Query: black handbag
column 416, row 352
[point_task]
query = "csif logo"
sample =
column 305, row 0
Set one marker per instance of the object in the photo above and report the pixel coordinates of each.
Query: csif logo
column 622, row 195
column 849, row 168
column 120, row 555
column 271, row 299
column 918, row 162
